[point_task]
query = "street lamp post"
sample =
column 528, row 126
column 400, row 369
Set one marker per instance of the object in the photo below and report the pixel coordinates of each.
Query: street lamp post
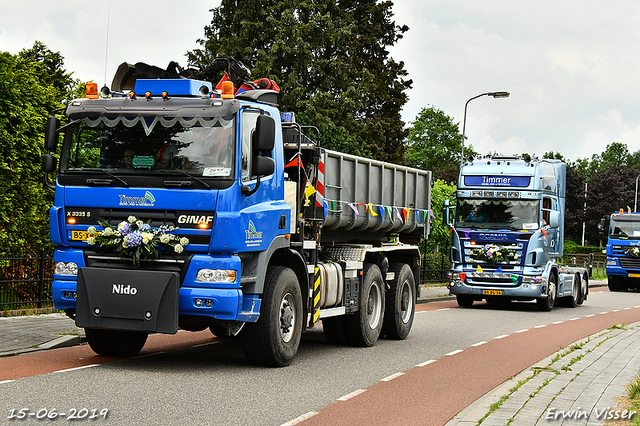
column 635, row 205
column 464, row 121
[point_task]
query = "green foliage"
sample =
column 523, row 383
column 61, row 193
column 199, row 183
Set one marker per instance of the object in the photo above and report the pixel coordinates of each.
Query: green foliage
column 439, row 239
column 32, row 83
column 435, row 143
column 331, row 61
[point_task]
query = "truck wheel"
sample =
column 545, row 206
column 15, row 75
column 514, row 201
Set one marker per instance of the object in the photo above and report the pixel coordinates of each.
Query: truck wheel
column 334, row 330
column 400, row 303
column 572, row 301
column 115, row 342
column 584, row 289
column 364, row 326
column 274, row 339
column 546, row 303
column 615, row 283
column 464, row 300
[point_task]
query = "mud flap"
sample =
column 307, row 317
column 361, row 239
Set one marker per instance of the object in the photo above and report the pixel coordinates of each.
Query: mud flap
column 121, row 299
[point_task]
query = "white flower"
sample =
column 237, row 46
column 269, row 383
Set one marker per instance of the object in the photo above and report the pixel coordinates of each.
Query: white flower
column 131, row 219
column 91, row 230
column 91, row 241
column 147, row 237
column 164, row 238
column 122, row 224
column 107, row 232
column 178, row 248
column 139, row 223
column 184, row 241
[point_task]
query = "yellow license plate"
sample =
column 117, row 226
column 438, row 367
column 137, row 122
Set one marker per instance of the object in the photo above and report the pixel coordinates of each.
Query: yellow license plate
column 492, row 292
column 634, row 275
column 79, row 235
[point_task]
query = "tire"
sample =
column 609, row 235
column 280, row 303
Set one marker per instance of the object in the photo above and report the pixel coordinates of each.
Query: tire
column 115, row 342
column 364, row 326
column 572, row 301
column 274, row 339
column 615, row 283
column 584, row 289
column 546, row 303
column 400, row 302
column 334, row 330
column 464, row 300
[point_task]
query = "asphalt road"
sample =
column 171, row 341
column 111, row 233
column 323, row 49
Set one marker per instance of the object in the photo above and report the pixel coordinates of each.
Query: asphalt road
column 451, row 357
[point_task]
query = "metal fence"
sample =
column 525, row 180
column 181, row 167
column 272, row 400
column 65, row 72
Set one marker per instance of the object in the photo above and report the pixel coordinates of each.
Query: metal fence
column 25, row 280
column 434, row 268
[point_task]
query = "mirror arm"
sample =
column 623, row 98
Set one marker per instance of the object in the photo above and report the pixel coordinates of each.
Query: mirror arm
column 246, row 191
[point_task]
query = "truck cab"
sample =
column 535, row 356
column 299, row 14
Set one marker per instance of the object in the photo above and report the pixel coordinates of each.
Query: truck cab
column 623, row 249
column 507, row 232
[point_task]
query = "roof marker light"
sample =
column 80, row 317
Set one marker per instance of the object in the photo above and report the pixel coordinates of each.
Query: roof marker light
column 165, row 95
column 91, row 90
column 148, row 95
column 227, row 90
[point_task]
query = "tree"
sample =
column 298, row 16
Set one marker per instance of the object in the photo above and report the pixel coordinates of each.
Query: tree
column 331, row 60
column 435, row 143
column 439, row 236
column 609, row 191
column 32, row 84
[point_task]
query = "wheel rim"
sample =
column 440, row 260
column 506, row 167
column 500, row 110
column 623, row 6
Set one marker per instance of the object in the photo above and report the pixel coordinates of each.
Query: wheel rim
column 287, row 317
column 406, row 301
column 552, row 291
column 374, row 305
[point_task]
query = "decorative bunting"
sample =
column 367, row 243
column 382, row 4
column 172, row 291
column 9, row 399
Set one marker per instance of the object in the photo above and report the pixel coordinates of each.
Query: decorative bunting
column 499, row 270
column 479, row 270
column 418, row 215
column 430, row 214
column 295, row 162
column 326, row 208
column 355, row 209
column 545, row 233
column 398, row 214
column 308, row 193
column 514, row 279
column 372, row 210
column 466, row 233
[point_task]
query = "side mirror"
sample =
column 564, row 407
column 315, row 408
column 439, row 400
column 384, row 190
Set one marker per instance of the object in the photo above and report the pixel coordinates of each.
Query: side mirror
column 264, row 137
column 263, row 166
column 446, row 217
column 49, row 163
column 51, row 133
column 603, row 227
column 554, row 219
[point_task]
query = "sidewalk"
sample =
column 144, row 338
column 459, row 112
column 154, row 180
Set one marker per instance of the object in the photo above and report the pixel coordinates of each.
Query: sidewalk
column 578, row 385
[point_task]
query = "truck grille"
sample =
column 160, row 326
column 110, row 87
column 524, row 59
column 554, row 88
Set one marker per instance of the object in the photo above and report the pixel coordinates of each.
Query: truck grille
column 169, row 262
column 629, row 262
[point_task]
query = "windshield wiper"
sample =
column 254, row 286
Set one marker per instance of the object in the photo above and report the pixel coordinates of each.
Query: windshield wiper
column 190, row 176
column 103, row 181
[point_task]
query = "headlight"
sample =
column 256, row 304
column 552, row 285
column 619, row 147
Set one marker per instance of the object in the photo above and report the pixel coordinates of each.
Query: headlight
column 455, row 276
column 62, row 268
column 216, row 275
column 611, row 262
column 531, row 280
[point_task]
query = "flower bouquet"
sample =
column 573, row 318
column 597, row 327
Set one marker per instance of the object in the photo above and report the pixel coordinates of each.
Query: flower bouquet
column 632, row 252
column 492, row 253
column 133, row 239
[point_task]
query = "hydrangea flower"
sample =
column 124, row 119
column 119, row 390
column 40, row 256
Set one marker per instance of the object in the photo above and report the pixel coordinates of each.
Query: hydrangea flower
column 134, row 239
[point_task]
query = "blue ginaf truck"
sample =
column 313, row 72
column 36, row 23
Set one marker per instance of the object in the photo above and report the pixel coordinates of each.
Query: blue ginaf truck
column 508, row 231
column 181, row 205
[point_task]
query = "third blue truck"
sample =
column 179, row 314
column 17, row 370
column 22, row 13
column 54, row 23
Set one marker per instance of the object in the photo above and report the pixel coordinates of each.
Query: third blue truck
column 623, row 249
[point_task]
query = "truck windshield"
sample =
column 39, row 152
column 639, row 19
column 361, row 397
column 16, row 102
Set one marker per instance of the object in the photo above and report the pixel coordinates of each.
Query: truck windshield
column 150, row 145
column 498, row 214
column 626, row 226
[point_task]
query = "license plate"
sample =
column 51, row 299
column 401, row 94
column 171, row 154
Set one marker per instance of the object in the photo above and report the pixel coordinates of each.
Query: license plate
column 492, row 292
column 79, row 235
column 634, row 275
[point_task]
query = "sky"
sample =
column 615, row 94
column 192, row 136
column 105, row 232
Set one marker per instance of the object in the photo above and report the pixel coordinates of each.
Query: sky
column 570, row 66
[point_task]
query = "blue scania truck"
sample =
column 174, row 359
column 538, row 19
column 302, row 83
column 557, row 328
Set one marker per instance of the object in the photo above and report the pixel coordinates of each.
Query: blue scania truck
column 245, row 225
column 508, row 231
column 623, row 249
